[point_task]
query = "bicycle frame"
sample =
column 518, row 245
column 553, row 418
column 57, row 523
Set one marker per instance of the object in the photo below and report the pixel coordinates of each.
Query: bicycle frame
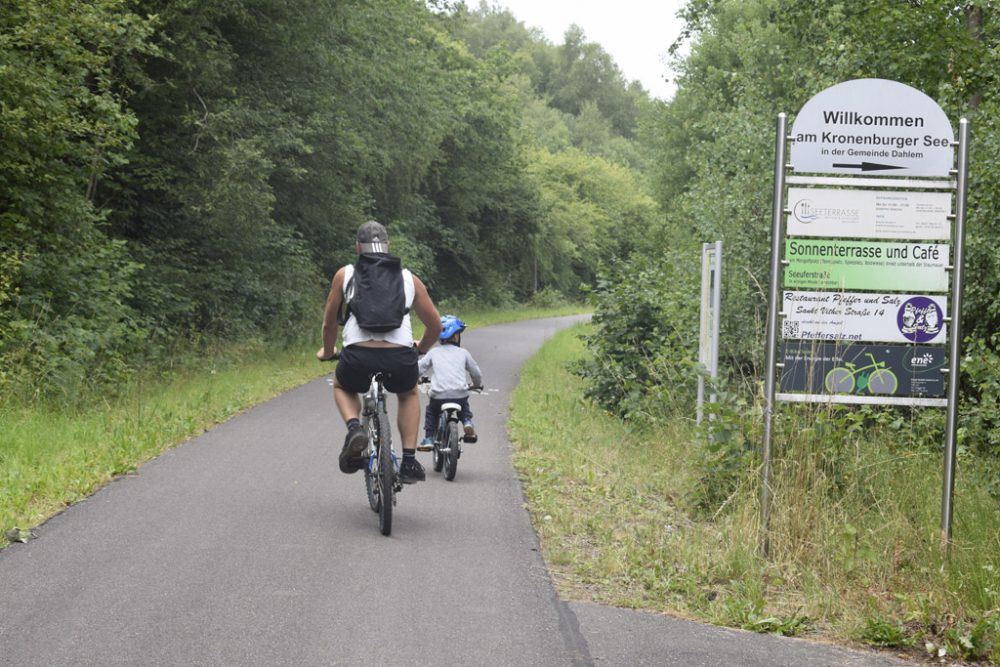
column 447, row 446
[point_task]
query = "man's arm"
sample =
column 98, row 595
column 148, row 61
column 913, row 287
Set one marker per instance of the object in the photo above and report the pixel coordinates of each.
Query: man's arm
column 424, row 363
column 330, row 325
column 428, row 314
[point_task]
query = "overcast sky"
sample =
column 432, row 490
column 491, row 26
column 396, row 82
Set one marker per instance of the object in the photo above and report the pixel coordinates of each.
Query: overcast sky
column 636, row 33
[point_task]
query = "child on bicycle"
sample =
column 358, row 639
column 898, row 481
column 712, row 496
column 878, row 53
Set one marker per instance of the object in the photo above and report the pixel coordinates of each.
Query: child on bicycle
column 448, row 364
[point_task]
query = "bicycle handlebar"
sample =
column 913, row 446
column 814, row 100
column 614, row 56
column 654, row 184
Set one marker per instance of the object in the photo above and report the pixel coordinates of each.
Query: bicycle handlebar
column 424, row 380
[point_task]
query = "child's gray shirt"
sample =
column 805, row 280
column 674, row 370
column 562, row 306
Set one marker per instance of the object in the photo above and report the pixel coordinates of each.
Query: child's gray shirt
column 448, row 365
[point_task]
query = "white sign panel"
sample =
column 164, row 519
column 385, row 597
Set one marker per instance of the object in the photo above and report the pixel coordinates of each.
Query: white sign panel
column 869, row 214
column 875, row 127
column 864, row 316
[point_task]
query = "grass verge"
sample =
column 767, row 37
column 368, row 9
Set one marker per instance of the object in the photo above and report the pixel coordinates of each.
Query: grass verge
column 52, row 457
column 854, row 555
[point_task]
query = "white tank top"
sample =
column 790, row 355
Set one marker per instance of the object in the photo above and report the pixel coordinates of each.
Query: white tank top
column 402, row 336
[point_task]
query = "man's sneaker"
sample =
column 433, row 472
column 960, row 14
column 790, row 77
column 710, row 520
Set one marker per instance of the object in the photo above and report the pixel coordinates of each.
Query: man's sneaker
column 354, row 444
column 470, row 433
column 426, row 445
column 410, row 471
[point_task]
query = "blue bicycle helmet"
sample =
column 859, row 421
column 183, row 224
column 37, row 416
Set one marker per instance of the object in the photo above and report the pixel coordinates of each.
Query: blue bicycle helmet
column 450, row 325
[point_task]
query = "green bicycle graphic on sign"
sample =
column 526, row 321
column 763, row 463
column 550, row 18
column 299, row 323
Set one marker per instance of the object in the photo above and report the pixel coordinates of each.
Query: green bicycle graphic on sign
column 850, row 378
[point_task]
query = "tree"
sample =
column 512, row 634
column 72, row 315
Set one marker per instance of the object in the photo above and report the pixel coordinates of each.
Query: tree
column 591, row 212
column 63, row 125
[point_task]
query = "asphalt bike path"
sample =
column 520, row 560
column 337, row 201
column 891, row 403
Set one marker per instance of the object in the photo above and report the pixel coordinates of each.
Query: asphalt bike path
column 247, row 546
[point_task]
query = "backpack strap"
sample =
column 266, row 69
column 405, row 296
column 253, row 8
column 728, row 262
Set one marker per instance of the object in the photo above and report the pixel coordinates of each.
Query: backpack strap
column 408, row 290
column 344, row 313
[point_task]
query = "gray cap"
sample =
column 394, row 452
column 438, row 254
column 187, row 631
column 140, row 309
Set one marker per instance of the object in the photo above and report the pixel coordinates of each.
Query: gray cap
column 372, row 237
column 372, row 232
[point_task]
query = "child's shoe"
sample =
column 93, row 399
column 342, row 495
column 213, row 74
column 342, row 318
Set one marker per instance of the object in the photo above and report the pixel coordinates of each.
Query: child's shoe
column 470, row 432
column 426, row 445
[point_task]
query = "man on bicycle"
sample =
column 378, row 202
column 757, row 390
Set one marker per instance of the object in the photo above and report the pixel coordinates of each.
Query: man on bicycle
column 367, row 352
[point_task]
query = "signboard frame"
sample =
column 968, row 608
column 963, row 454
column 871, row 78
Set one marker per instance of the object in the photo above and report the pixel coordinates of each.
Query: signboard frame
column 957, row 167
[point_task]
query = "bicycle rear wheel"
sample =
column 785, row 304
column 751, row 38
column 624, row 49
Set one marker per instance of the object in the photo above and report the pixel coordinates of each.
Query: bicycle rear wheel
column 839, row 381
column 451, row 456
column 386, row 475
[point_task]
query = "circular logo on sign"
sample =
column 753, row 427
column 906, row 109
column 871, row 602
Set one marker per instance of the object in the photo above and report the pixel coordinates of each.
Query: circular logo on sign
column 804, row 211
column 920, row 319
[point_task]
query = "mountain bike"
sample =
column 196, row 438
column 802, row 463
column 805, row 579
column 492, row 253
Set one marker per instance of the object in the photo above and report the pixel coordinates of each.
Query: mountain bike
column 448, row 438
column 382, row 481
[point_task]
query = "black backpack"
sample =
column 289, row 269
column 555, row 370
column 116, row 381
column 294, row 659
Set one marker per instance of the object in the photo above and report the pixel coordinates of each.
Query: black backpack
column 375, row 294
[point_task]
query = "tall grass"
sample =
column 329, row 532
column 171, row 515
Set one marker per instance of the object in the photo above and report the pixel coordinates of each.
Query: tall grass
column 54, row 455
column 855, row 554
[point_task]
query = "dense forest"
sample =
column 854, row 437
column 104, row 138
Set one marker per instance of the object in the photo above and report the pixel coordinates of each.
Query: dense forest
column 177, row 172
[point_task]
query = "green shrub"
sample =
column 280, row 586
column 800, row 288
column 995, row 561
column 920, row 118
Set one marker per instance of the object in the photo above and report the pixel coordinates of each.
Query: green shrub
column 979, row 428
column 730, row 438
column 642, row 345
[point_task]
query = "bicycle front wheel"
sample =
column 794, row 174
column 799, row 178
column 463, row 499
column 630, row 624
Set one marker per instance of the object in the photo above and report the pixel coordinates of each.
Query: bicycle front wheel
column 386, row 475
column 451, row 455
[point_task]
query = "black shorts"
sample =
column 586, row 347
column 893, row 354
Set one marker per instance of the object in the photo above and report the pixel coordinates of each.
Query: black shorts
column 358, row 365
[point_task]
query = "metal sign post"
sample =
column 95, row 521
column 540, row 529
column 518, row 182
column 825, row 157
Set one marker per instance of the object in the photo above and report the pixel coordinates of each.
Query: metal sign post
column 711, row 314
column 955, row 349
column 771, row 363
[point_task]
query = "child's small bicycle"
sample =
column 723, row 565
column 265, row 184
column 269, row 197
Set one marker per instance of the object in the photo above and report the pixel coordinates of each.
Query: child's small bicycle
column 448, row 437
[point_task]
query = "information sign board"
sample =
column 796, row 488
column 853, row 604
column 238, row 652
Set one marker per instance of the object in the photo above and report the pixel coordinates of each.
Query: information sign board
column 875, row 265
column 871, row 214
column 875, row 127
column 857, row 369
column 864, row 316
